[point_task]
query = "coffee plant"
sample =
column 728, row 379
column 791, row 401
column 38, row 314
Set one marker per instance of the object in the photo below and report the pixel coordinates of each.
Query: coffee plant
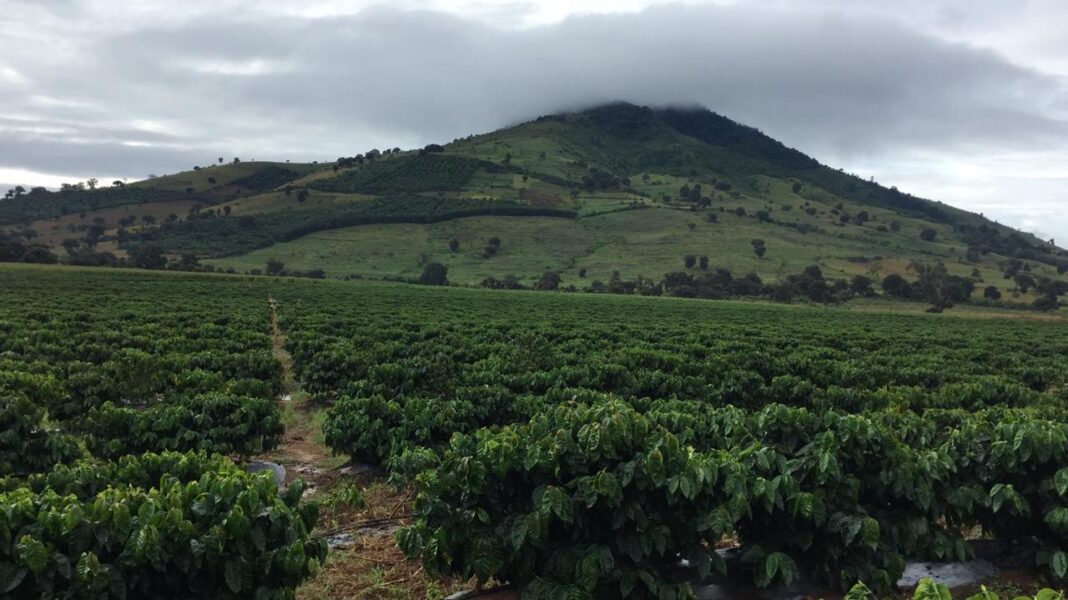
column 157, row 526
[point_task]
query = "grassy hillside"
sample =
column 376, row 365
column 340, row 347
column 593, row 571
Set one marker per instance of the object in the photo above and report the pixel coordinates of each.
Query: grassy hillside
column 648, row 187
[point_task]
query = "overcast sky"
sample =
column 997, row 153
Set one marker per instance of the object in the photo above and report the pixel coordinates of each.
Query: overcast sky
column 964, row 101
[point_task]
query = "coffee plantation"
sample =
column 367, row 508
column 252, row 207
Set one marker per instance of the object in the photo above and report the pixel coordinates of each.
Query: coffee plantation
column 579, row 446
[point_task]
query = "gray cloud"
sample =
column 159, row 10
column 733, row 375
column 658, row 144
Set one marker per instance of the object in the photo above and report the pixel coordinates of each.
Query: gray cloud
column 852, row 87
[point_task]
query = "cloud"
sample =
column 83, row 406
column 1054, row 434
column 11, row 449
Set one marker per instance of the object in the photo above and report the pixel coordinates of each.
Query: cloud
column 852, row 87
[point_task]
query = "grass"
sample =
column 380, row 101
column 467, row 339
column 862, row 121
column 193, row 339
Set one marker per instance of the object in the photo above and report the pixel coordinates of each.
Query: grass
column 647, row 242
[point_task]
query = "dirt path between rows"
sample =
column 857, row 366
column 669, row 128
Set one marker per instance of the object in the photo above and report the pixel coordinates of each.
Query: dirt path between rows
column 365, row 561
column 302, row 455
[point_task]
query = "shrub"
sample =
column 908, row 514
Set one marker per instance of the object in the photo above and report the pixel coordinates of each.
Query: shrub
column 581, row 501
column 156, row 526
column 213, row 422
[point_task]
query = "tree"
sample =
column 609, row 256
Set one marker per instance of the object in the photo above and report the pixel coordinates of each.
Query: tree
column 702, row 263
column 991, row 293
column 146, row 256
column 897, row 286
column 92, row 183
column 434, row 274
column 454, row 245
column 862, row 217
column 220, row 160
column 796, row 187
column 928, row 235
column 150, row 220
column 494, row 241
column 759, row 248
column 689, row 260
column 861, row 286
column 550, row 280
column 1045, row 303
column 1024, row 282
column 895, row 226
column 302, row 195
column 582, row 272
column 973, row 254
column 275, row 266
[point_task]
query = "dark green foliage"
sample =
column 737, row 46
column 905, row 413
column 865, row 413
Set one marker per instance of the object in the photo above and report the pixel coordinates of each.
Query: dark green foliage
column 928, row 235
column 275, row 267
column 215, row 422
column 265, row 179
column 434, row 274
column 550, row 280
column 579, row 502
column 759, row 248
column 409, row 174
column 42, row 204
column 146, row 256
column 26, row 446
column 212, row 237
column 157, row 526
column 860, row 285
column 897, row 286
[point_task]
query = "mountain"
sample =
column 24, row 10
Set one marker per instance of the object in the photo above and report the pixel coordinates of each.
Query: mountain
column 617, row 188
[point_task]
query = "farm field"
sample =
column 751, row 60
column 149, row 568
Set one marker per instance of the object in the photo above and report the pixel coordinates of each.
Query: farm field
column 567, row 445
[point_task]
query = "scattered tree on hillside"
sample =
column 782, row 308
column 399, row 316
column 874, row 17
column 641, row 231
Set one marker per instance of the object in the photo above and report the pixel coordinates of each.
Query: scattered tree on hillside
column 302, row 195
column 991, row 293
column 146, row 256
column 689, row 260
column 275, row 267
column 796, row 187
column 861, row 286
column 550, row 280
column 702, row 263
column 434, row 273
column 1024, row 282
column 758, row 247
column 454, row 245
column 973, row 254
column 897, row 286
column 928, row 234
